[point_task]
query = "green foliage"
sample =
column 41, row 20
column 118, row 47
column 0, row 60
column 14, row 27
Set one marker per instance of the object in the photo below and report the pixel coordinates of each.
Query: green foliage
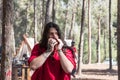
column 24, row 16
column 85, row 49
column 23, row 23
column 115, row 24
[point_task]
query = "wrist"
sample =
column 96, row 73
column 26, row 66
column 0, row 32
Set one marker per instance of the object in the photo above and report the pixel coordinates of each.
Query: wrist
column 59, row 50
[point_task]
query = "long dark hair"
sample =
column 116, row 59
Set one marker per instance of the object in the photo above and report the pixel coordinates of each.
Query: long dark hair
column 44, row 39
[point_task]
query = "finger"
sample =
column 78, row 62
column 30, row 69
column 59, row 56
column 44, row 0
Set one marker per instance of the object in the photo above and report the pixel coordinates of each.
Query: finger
column 55, row 43
column 49, row 41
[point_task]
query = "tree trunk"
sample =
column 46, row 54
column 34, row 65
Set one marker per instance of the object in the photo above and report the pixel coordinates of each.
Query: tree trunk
column 43, row 13
column 105, row 52
column 118, row 38
column 98, row 42
column 8, row 42
column 72, row 25
column 48, row 16
column 42, row 16
column 35, row 23
column 80, row 51
column 27, row 16
column 110, row 50
column 65, row 22
column 71, row 31
column 89, row 31
column 53, row 11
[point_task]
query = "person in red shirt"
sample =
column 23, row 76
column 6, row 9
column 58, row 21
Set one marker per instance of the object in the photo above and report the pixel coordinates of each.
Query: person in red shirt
column 51, row 59
column 73, row 46
column 75, row 50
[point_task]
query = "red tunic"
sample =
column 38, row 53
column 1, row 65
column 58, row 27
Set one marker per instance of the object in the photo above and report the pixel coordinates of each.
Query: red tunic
column 74, row 49
column 51, row 69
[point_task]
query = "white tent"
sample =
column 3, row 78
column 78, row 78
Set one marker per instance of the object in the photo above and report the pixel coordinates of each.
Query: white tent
column 25, row 48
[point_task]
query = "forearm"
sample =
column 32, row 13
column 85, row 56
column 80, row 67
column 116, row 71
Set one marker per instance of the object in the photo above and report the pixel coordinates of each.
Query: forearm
column 65, row 63
column 39, row 61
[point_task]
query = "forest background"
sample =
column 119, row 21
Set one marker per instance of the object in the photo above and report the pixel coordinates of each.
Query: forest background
column 31, row 15
column 68, row 16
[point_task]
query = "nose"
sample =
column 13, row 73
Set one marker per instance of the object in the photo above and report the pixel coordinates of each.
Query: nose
column 53, row 35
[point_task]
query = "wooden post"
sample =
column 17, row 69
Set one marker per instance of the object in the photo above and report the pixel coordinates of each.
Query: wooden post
column 28, row 73
column 14, row 73
column 23, row 72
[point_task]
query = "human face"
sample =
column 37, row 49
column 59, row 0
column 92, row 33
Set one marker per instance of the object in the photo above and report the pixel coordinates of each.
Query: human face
column 53, row 33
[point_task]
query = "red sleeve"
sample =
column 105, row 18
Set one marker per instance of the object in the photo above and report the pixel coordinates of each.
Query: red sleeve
column 70, row 56
column 74, row 48
column 34, row 53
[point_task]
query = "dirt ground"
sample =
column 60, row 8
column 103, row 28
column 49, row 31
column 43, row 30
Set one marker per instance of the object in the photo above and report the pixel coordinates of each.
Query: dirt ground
column 97, row 72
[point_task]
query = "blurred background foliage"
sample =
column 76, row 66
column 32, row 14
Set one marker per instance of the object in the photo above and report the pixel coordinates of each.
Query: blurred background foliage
column 24, row 22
